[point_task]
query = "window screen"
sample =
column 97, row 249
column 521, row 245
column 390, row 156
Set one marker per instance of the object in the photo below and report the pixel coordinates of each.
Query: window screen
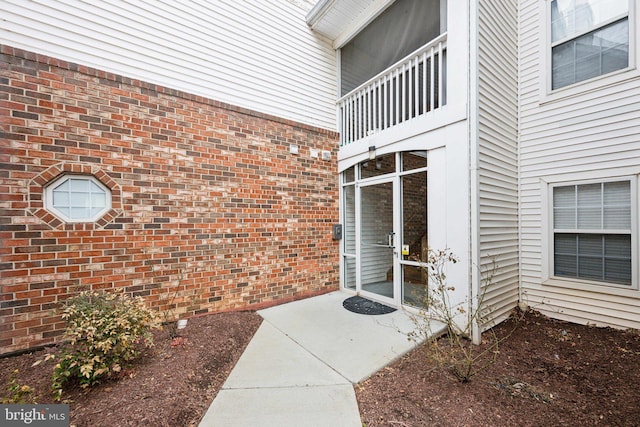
column 401, row 29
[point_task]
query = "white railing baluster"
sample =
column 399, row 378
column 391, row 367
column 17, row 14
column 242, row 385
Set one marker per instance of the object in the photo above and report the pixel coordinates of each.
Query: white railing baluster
column 424, row 82
column 345, row 124
column 374, row 105
column 432, row 85
column 365, row 119
column 378, row 98
column 385, row 109
column 358, row 117
column 361, row 115
column 365, row 113
column 351, row 121
column 373, row 97
column 396, row 94
column 416, row 89
column 354, row 125
column 344, row 135
column 403, row 95
column 440, row 74
column 409, row 93
column 370, row 108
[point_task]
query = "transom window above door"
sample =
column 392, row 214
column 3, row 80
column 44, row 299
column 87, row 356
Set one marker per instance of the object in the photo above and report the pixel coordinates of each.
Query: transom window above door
column 381, row 165
column 589, row 38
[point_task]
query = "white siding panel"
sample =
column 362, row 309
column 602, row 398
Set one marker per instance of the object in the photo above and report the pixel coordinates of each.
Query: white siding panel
column 600, row 309
column 594, row 133
column 497, row 155
column 257, row 55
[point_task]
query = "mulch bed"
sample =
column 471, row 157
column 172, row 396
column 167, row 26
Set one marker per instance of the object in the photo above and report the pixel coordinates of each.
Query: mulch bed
column 547, row 373
column 172, row 384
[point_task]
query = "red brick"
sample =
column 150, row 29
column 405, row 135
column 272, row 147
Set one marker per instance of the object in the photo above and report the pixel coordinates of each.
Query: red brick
column 225, row 217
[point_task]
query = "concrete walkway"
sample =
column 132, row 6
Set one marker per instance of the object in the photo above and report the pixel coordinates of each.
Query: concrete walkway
column 300, row 367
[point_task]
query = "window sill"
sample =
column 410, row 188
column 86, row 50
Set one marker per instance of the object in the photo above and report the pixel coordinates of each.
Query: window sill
column 594, row 287
column 589, row 86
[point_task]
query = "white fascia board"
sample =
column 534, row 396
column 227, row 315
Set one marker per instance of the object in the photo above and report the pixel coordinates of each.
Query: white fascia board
column 318, row 12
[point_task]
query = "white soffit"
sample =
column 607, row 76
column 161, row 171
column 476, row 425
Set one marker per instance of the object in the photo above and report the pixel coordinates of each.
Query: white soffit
column 340, row 20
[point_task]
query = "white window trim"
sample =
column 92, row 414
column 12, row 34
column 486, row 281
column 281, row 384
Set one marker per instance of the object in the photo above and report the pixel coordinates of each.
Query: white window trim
column 595, row 83
column 548, row 277
column 48, row 198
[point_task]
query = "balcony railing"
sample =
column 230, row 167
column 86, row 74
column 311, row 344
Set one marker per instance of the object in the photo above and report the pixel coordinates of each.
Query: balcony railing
column 409, row 89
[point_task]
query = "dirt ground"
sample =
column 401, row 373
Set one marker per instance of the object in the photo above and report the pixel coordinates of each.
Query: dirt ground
column 172, row 384
column 547, row 373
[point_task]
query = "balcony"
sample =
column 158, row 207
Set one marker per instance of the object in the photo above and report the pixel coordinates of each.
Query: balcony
column 408, row 90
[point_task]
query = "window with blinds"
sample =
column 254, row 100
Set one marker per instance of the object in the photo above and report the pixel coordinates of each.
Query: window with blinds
column 589, row 38
column 592, row 232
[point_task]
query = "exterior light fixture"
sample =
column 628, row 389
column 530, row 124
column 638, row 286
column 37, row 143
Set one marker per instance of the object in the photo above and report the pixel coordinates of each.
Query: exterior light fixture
column 372, row 152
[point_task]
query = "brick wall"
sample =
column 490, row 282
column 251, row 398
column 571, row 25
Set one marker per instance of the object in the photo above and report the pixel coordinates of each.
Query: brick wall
column 210, row 211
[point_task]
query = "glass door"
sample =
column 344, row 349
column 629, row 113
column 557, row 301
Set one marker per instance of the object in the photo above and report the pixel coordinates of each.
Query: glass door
column 377, row 240
column 384, row 215
column 414, row 250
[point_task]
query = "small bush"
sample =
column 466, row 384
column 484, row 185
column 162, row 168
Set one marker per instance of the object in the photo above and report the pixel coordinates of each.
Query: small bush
column 454, row 351
column 104, row 331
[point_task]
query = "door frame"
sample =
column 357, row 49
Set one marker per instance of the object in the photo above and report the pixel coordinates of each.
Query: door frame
column 353, row 283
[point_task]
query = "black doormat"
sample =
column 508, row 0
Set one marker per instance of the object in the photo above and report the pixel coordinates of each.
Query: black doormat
column 364, row 306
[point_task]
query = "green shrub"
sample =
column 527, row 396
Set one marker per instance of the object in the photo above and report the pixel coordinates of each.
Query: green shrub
column 104, row 331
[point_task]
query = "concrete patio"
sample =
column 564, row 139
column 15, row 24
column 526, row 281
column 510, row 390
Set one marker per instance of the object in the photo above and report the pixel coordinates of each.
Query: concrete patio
column 300, row 367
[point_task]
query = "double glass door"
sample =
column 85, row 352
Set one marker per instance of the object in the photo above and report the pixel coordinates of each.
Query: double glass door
column 385, row 218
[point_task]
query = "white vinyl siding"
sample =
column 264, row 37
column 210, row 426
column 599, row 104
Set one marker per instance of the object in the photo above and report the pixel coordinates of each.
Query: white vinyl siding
column 257, row 55
column 497, row 156
column 591, row 134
